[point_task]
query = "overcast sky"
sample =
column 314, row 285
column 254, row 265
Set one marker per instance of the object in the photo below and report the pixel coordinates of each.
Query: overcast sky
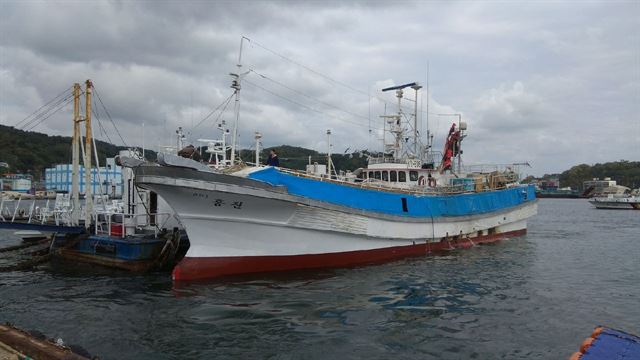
column 552, row 83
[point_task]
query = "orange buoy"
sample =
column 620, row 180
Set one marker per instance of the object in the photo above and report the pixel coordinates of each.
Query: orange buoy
column 597, row 332
column 586, row 344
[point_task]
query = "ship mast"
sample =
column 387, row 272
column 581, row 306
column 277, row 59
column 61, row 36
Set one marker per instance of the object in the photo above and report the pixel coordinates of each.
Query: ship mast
column 395, row 121
column 235, row 84
column 75, row 156
column 415, row 87
column 88, row 183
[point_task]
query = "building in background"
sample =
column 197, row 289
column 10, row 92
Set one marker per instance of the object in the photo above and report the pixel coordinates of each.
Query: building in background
column 106, row 181
column 16, row 182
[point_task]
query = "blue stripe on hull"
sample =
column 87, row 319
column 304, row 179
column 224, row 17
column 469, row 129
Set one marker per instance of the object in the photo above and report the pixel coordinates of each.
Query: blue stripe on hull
column 393, row 203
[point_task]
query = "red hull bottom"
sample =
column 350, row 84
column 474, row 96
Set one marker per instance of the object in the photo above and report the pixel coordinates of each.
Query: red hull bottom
column 191, row 268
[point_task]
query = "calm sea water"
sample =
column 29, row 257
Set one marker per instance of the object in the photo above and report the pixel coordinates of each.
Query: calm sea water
column 533, row 297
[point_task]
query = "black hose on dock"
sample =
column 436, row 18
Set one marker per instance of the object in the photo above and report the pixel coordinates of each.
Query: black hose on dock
column 23, row 246
column 39, row 259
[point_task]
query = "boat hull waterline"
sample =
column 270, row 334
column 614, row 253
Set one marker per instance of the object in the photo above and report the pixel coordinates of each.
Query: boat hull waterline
column 241, row 225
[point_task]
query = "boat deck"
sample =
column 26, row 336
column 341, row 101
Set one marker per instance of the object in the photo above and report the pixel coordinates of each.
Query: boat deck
column 609, row 344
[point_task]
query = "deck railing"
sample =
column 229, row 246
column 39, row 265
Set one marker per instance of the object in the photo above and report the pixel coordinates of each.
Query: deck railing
column 103, row 219
column 496, row 182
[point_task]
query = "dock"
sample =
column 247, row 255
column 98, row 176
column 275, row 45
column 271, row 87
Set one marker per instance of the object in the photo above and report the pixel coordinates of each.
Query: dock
column 17, row 344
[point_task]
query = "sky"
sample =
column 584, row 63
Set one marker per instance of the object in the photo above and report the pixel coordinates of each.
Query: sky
column 551, row 83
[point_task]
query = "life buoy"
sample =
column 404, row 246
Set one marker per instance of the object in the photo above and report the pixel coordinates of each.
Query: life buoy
column 432, row 182
column 421, row 180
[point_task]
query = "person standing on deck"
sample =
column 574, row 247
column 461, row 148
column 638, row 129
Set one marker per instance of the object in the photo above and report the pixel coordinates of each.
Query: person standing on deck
column 273, row 158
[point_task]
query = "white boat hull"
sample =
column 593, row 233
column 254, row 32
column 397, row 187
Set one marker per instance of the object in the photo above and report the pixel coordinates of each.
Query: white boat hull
column 235, row 229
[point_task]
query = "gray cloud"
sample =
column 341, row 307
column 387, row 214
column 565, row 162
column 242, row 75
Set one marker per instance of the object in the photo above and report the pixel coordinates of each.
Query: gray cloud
column 551, row 83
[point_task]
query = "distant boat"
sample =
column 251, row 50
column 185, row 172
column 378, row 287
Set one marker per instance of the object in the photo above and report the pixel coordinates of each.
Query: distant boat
column 621, row 202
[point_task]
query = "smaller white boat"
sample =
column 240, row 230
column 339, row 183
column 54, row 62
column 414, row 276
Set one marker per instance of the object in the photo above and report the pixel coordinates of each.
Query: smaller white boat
column 624, row 202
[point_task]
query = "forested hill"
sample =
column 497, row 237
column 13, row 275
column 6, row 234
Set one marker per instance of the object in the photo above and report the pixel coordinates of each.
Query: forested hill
column 32, row 152
column 294, row 157
column 625, row 173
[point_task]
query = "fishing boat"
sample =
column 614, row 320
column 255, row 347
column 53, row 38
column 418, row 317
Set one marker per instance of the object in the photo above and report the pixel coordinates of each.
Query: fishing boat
column 137, row 233
column 409, row 201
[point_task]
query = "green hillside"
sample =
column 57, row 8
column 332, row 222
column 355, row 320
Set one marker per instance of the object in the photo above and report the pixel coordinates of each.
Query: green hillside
column 625, row 173
column 32, row 152
column 294, row 157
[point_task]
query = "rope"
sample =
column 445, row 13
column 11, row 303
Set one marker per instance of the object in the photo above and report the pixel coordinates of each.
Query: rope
column 95, row 91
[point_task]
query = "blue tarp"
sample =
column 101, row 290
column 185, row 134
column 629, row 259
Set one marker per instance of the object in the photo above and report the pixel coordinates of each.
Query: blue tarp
column 613, row 345
column 392, row 203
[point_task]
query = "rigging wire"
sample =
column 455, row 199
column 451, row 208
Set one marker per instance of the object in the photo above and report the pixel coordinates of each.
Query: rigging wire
column 95, row 91
column 303, row 105
column 308, row 96
column 316, row 72
column 324, row 76
column 307, row 68
column 103, row 132
column 42, row 119
column 43, row 106
column 221, row 111
column 46, row 113
column 224, row 102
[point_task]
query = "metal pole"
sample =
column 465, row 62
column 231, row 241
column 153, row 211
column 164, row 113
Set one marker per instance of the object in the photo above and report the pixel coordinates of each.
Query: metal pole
column 329, row 153
column 415, row 123
column 75, row 154
column 236, row 86
column 258, row 136
column 459, row 143
column 88, row 181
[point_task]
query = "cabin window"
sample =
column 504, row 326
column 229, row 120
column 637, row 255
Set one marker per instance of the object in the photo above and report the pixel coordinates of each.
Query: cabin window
column 370, row 174
column 413, row 175
column 385, row 176
column 393, row 175
column 364, row 174
column 377, row 175
column 402, row 176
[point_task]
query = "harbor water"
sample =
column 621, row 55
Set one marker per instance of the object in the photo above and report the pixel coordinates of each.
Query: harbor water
column 532, row 297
